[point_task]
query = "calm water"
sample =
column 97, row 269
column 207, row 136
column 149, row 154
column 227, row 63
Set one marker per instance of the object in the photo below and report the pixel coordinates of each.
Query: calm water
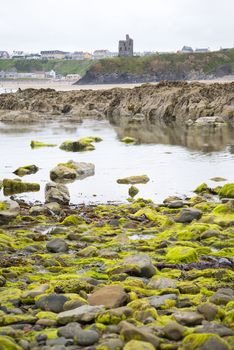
column 176, row 161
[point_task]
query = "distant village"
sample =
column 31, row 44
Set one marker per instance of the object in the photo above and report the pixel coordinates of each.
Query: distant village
column 125, row 49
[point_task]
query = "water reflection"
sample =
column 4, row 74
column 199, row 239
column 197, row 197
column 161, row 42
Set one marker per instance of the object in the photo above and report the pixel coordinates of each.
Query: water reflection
column 206, row 138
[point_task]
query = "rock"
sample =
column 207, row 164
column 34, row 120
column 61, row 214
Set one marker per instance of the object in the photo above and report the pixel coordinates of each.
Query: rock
column 202, row 188
column 8, row 211
column 128, row 139
column 69, row 330
column 2, row 281
column 111, row 344
column 187, row 215
column 61, row 173
column 143, row 262
column 218, row 179
column 215, row 328
column 73, row 304
column 209, row 120
column 32, row 293
column 132, row 180
column 132, row 191
column 83, row 314
column 109, row 296
column 181, row 254
column 114, row 316
column 159, row 283
column 130, row 332
column 37, row 210
column 159, row 300
column 84, row 144
column 26, row 170
column 208, row 310
column 57, row 245
column 175, row 204
column 52, row 302
column 222, row 296
column 138, row 345
column 6, row 343
column 11, row 186
column 53, row 208
column 227, row 191
column 188, row 318
column 203, row 342
column 38, row 144
column 174, row 331
column 83, row 338
column 57, row 193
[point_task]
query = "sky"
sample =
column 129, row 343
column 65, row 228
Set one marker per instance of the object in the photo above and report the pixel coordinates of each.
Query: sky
column 87, row 25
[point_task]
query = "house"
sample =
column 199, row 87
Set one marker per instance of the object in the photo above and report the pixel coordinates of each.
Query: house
column 81, row 55
column 33, row 56
column 187, row 49
column 100, row 54
column 204, row 50
column 4, row 55
column 54, row 55
column 51, row 74
column 126, row 47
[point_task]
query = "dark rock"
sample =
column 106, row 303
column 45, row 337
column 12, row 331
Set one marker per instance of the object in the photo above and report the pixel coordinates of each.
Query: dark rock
column 52, row 302
column 188, row 215
column 57, row 245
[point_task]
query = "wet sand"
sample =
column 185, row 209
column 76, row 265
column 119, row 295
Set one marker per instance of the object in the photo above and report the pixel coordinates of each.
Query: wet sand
column 61, row 85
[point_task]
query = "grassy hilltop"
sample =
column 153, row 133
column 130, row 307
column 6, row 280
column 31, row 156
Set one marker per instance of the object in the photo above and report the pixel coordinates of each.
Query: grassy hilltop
column 158, row 64
column 60, row 66
column 208, row 62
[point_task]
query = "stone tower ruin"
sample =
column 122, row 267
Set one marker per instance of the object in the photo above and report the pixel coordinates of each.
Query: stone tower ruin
column 126, row 47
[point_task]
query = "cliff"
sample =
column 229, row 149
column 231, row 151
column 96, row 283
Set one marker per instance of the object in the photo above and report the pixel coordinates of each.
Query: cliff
column 178, row 66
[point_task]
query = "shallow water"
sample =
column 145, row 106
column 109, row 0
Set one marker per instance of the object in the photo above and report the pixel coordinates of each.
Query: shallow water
column 176, row 161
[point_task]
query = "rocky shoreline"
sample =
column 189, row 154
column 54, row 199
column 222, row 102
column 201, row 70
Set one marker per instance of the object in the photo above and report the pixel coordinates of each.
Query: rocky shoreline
column 106, row 277
column 167, row 102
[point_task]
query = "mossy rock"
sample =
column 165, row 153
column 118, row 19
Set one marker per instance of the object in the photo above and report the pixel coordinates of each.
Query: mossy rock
column 17, row 186
column 128, row 139
column 133, row 191
column 202, row 188
column 227, row 191
column 84, row 144
column 6, row 343
column 26, row 170
column 38, row 144
column 72, row 220
column 181, row 254
column 203, row 342
column 138, row 345
column 132, row 180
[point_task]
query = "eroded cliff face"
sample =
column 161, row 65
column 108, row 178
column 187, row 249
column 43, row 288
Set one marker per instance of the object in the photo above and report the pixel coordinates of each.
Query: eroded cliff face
column 165, row 102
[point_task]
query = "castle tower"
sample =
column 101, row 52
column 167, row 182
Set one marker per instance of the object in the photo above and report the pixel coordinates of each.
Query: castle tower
column 126, row 47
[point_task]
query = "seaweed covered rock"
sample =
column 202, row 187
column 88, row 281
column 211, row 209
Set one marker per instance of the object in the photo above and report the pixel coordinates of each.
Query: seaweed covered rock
column 227, row 191
column 83, row 314
column 203, row 342
column 11, row 186
column 130, row 332
column 132, row 191
column 128, row 139
column 132, row 180
column 143, row 263
column 83, row 144
column 56, row 193
column 51, row 302
column 7, row 343
column 8, row 211
column 71, row 171
column 222, row 296
column 57, row 245
column 38, row 144
column 138, row 345
column 187, row 215
column 26, row 170
column 181, row 254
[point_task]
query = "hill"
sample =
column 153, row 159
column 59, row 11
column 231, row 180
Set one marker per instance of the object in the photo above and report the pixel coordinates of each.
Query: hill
column 178, row 66
column 60, row 66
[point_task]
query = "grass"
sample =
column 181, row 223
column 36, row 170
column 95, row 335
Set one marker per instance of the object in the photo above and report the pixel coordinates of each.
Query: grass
column 60, row 66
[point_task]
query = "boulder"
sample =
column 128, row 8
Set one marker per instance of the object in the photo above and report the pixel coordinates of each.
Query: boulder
column 62, row 173
column 26, row 170
column 187, row 215
column 57, row 245
column 132, row 191
column 71, row 171
column 222, row 296
column 188, row 318
column 208, row 310
column 57, row 193
column 174, row 331
column 8, row 211
column 132, row 180
column 159, row 283
column 52, row 302
column 143, row 263
column 130, row 332
column 138, row 345
column 109, row 296
column 159, row 300
column 204, row 342
column 83, row 314
column 83, row 337
column 11, row 186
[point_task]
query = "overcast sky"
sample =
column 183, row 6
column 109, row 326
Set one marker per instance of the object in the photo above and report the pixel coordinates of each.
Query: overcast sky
column 156, row 25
